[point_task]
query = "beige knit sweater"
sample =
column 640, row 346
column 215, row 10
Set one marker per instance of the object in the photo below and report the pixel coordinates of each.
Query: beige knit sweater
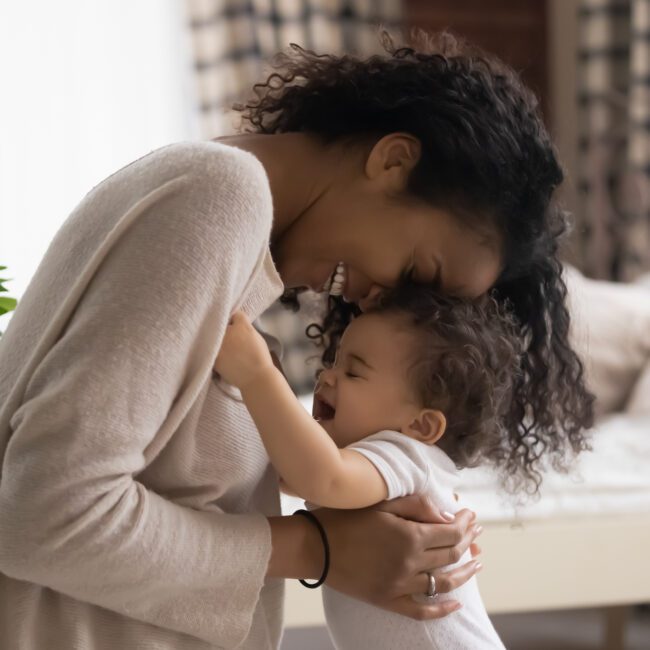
column 133, row 489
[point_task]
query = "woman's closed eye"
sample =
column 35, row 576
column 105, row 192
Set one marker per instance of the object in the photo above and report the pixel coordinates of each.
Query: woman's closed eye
column 412, row 274
column 407, row 275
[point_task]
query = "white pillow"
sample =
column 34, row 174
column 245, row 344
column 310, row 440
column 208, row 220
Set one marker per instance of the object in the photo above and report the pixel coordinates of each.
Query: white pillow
column 639, row 402
column 610, row 331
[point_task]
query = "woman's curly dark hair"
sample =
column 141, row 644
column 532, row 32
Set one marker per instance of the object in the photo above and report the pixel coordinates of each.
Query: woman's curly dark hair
column 464, row 360
column 486, row 158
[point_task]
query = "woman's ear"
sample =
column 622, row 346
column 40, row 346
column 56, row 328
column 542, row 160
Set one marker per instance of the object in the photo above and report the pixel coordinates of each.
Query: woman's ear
column 428, row 426
column 392, row 158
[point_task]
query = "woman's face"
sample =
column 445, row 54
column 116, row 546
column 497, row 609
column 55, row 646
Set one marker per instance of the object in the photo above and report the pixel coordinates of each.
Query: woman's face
column 357, row 220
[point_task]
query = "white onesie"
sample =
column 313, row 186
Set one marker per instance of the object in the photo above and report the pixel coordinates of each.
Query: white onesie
column 411, row 467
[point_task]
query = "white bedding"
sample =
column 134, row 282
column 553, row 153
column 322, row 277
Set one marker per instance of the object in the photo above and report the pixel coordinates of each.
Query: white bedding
column 612, row 479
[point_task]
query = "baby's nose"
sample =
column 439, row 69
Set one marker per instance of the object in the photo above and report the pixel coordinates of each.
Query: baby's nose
column 327, row 377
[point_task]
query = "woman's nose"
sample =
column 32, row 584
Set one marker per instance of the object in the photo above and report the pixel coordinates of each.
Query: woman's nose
column 370, row 298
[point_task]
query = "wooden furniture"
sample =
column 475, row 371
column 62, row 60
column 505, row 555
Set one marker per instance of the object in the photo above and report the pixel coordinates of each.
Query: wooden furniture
column 514, row 30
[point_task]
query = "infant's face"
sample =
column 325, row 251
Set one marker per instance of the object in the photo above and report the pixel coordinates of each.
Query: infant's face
column 367, row 388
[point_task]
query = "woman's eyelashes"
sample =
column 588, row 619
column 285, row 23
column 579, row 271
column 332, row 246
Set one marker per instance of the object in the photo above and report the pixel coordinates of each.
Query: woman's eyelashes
column 408, row 274
column 411, row 275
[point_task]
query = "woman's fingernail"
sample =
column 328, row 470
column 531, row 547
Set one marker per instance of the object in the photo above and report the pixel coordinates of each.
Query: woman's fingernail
column 478, row 567
column 473, row 515
column 457, row 607
column 477, row 531
column 448, row 516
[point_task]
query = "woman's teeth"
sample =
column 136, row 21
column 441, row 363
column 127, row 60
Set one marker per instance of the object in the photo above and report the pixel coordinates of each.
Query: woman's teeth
column 336, row 282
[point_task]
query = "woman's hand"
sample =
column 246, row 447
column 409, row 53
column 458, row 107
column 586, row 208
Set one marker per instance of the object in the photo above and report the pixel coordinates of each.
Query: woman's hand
column 244, row 353
column 381, row 554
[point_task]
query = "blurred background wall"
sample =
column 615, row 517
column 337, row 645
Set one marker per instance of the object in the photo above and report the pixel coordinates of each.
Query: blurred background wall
column 87, row 87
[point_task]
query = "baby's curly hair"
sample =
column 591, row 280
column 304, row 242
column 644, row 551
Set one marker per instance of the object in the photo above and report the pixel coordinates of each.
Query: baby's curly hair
column 465, row 361
column 487, row 159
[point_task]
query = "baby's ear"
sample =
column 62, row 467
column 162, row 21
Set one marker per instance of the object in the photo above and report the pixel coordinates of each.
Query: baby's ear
column 428, row 426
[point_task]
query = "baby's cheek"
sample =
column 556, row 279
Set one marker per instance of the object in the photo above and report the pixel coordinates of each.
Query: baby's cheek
column 329, row 427
column 356, row 425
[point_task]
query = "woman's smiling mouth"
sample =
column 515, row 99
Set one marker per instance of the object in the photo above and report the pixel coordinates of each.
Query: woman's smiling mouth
column 336, row 283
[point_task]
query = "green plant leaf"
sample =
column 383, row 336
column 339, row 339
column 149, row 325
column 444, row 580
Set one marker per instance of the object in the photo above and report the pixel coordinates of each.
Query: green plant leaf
column 7, row 304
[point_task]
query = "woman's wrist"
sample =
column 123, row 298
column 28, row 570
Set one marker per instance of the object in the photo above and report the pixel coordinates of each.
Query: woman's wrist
column 326, row 547
column 296, row 549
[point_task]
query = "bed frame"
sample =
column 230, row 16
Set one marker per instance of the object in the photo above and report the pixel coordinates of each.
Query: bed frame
column 547, row 564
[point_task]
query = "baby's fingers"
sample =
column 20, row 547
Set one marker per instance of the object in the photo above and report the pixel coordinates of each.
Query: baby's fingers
column 238, row 317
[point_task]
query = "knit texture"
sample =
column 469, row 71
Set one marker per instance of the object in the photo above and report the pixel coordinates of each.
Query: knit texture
column 134, row 488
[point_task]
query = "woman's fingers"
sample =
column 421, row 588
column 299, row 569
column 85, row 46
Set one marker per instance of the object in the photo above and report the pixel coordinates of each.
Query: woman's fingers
column 446, row 581
column 420, row 611
column 434, row 557
column 459, row 532
column 417, row 507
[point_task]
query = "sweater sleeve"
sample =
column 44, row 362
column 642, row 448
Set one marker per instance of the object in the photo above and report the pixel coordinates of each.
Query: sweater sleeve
column 72, row 515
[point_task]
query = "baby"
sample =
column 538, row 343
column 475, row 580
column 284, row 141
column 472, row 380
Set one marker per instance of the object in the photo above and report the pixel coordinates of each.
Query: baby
column 418, row 388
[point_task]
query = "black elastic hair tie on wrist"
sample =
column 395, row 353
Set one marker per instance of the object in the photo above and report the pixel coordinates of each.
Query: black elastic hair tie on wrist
column 326, row 548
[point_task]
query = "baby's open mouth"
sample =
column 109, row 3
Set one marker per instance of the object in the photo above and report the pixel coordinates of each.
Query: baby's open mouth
column 322, row 410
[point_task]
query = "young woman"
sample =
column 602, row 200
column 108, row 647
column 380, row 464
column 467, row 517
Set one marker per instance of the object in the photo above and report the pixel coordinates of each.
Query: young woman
column 137, row 503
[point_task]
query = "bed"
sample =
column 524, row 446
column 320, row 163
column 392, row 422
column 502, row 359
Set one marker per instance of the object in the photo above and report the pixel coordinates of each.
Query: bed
column 585, row 542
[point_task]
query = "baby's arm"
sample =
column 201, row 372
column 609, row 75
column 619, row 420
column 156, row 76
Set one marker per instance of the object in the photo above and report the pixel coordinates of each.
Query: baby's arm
column 300, row 449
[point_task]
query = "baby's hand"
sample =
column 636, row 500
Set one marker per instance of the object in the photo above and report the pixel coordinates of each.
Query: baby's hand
column 243, row 354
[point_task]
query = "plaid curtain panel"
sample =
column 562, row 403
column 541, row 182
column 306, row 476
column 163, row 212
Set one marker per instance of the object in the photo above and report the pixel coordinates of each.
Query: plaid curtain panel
column 614, row 142
column 232, row 41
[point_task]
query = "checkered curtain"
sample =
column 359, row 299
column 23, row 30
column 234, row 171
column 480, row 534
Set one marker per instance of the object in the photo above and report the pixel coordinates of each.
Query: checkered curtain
column 232, row 39
column 614, row 143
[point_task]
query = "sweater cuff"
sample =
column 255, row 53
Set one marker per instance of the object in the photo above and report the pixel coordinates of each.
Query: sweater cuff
column 221, row 608
column 255, row 540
